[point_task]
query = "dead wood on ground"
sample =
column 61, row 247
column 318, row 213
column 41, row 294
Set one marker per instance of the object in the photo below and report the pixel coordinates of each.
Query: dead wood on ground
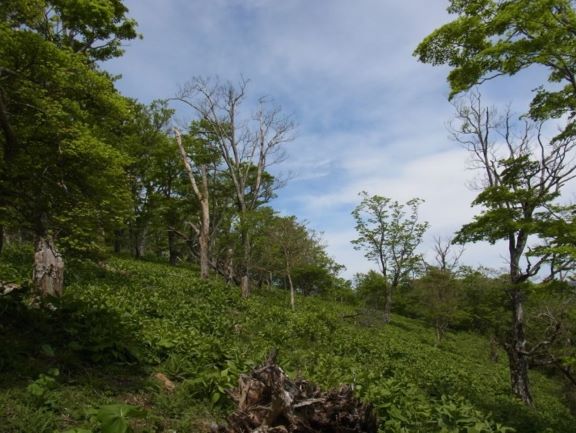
column 269, row 402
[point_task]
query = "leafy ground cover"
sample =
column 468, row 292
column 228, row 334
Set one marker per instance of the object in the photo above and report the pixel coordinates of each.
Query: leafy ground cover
column 89, row 362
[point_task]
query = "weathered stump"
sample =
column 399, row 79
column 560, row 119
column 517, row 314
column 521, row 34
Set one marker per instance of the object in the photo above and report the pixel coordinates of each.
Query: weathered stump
column 269, row 402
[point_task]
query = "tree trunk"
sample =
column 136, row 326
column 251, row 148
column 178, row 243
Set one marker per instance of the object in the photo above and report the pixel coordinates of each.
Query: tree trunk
column 204, row 238
column 516, row 350
column 138, row 240
column 387, row 304
column 48, row 273
column 245, row 280
column 172, row 251
column 203, row 197
column 118, row 234
column 292, row 295
column 1, row 238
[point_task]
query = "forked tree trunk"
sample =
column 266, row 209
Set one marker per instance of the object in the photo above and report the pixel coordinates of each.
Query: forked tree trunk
column 203, row 197
column 48, row 272
column 516, row 350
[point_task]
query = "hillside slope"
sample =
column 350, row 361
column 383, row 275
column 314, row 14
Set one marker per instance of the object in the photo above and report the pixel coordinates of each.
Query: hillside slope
column 121, row 324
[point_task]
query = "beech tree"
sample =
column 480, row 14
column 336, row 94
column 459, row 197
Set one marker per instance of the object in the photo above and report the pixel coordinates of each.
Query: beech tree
column 389, row 235
column 61, row 173
column 522, row 178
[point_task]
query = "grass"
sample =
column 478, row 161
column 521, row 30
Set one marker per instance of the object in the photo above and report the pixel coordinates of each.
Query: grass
column 121, row 323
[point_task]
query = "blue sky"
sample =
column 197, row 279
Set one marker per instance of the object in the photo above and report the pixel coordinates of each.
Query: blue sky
column 369, row 116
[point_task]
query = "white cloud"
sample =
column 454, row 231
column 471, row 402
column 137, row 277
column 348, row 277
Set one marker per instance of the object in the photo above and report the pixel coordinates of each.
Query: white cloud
column 370, row 116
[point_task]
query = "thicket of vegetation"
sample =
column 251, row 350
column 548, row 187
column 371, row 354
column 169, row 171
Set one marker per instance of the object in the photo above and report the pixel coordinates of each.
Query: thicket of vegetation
column 95, row 342
column 100, row 348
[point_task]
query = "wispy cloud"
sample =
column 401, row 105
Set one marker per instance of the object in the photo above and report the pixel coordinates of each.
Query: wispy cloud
column 370, row 116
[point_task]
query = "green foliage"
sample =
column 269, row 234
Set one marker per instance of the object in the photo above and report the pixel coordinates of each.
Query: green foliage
column 41, row 389
column 371, row 287
column 115, row 418
column 62, row 171
column 495, row 37
column 389, row 235
column 202, row 335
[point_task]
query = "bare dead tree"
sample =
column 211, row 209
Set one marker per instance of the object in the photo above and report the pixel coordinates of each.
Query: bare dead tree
column 200, row 189
column 248, row 144
column 446, row 255
column 522, row 175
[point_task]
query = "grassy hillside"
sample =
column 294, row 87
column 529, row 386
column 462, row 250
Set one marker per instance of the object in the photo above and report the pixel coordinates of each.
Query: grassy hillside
column 91, row 360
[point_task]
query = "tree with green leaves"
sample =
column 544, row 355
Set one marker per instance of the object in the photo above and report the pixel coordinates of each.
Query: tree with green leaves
column 62, row 175
column 522, row 177
column 389, row 233
column 370, row 287
column 491, row 38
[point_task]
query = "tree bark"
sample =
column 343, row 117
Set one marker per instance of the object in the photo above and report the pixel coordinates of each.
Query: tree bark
column 204, row 240
column 172, row 251
column 138, row 242
column 387, row 304
column 48, row 273
column 518, row 358
column 118, row 241
column 203, row 197
column 292, row 295
column 1, row 238
column 245, row 279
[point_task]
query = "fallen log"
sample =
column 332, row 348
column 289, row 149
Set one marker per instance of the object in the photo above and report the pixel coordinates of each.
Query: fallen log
column 267, row 401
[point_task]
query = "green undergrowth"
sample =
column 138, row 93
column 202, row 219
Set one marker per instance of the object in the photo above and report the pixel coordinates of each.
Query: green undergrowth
column 89, row 362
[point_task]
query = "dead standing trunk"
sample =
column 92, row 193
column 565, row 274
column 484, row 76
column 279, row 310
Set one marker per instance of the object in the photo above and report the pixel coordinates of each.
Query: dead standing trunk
column 48, row 273
column 203, row 231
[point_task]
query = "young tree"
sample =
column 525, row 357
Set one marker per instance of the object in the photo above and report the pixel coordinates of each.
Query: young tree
column 293, row 244
column 389, row 235
column 248, row 145
column 438, row 290
column 371, row 289
column 522, row 176
column 438, row 299
column 491, row 38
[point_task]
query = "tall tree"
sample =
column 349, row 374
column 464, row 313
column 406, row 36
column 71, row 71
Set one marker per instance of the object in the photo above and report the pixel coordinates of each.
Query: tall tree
column 248, row 144
column 522, row 176
column 491, row 38
column 61, row 175
column 389, row 235
column 197, row 166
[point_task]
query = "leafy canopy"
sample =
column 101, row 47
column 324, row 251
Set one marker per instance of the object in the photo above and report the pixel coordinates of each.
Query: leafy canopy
column 490, row 38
